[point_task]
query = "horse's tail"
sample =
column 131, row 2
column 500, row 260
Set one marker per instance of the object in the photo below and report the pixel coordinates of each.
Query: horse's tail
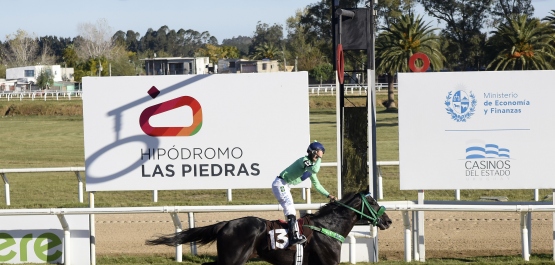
column 200, row 235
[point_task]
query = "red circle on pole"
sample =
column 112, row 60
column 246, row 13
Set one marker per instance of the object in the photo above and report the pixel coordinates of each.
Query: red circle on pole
column 340, row 64
column 425, row 60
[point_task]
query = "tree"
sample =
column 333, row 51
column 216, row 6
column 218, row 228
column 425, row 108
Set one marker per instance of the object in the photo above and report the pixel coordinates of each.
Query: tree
column 307, row 54
column 266, row 51
column 523, row 44
column 550, row 19
column 316, row 21
column 265, row 35
column 321, row 72
column 21, row 48
column 122, row 63
column 395, row 46
column 95, row 40
column 464, row 19
column 45, row 56
column 45, row 79
column 241, row 42
column 503, row 10
column 229, row 52
column 132, row 41
column 389, row 11
column 69, row 56
column 213, row 52
column 54, row 45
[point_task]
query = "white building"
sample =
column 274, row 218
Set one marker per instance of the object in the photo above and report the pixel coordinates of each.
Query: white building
column 29, row 74
column 176, row 65
column 247, row 66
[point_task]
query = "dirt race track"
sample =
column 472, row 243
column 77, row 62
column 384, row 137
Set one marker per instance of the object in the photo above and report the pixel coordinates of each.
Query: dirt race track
column 447, row 234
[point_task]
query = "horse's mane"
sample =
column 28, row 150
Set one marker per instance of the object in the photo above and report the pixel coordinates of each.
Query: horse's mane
column 329, row 207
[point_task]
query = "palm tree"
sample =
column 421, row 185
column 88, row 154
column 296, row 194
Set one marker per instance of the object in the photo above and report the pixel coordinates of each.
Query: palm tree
column 266, row 50
column 396, row 44
column 523, row 44
column 550, row 19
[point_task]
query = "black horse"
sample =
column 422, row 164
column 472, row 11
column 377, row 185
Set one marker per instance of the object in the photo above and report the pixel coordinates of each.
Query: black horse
column 242, row 239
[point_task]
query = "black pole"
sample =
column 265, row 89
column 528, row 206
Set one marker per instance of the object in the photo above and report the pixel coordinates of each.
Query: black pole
column 336, row 28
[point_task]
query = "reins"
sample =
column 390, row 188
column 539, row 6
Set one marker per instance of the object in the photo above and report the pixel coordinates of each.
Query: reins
column 373, row 217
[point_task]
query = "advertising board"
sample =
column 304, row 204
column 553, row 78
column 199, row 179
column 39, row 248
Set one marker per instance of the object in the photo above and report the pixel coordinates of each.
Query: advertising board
column 184, row 132
column 476, row 130
column 40, row 239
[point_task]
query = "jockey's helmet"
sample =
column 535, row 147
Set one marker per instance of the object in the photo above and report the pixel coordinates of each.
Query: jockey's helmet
column 315, row 146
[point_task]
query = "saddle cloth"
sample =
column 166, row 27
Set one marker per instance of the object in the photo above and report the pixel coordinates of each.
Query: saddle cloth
column 277, row 232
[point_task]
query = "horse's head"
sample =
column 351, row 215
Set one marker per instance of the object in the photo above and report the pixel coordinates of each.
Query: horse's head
column 374, row 212
column 370, row 210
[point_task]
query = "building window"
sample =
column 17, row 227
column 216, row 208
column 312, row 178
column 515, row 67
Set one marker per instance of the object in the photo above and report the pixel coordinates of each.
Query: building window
column 264, row 66
column 231, row 64
column 29, row 73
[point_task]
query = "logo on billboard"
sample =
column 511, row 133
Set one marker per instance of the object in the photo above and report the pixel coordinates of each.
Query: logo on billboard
column 487, row 151
column 44, row 247
column 488, row 160
column 175, row 103
column 460, row 105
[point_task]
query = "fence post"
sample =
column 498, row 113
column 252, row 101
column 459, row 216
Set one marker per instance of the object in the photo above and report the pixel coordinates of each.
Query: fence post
column 524, row 236
column 79, row 186
column 7, row 186
column 192, row 225
column 380, row 184
column 420, row 234
column 92, row 226
column 406, row 222
column 178, row 228
column 67, row 239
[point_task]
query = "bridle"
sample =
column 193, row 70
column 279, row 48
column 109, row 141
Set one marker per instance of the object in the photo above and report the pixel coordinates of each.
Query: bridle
column 373, row 217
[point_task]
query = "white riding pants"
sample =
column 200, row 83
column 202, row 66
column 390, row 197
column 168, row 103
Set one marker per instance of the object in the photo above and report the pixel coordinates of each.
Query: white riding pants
column 282, row 192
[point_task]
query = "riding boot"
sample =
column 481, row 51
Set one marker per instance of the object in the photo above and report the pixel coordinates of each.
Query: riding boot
column 292, row 233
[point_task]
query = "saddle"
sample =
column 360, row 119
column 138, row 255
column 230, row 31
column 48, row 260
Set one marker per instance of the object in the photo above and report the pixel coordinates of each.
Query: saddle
column 277, row 232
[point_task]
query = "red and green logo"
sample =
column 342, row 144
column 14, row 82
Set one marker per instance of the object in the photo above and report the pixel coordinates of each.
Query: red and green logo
column 167, row 106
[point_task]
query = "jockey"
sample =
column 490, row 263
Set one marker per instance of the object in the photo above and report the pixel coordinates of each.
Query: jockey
column 303, row 168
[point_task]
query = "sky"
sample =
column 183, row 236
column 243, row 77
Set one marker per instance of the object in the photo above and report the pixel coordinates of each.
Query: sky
column 223, row 19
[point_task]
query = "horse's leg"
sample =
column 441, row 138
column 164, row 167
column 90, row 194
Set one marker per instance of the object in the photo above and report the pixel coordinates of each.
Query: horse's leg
column 323, row 250
column 236, row 241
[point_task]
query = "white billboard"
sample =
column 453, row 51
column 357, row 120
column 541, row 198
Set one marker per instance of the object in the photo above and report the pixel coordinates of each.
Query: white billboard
column 40, row 239
column 185, row 132
column 476, row 130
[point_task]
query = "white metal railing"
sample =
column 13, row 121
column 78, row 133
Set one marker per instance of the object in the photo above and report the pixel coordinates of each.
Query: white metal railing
column 305, row 193
column 40, row 94
column 76, row 170
column 404, row 206
column 350, row 89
